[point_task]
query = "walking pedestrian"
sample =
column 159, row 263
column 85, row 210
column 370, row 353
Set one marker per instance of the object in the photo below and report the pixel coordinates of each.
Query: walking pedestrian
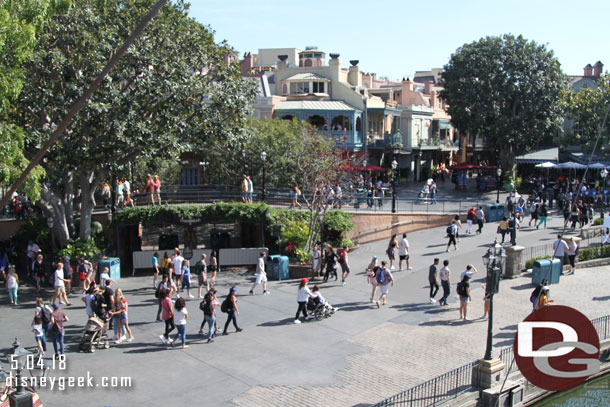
column 177, row 260
column 57, row 328
column 480, row 215
column 302, row 296
column 250, row 189
column 330, row 262
column 149, row 188
column 163, row 285
column 232, row 310
column 572, row 253
column 157, row 193
column 486, row 303
column 445, row 275
column 185, row 278
column 167, row 314
column 315, row 256
column 44, row 312
column 458, row 223
column 203, row 276
column 544, row 213
column 606, row 239
column 295, row 192
column 463, row 290
column 503, row 228
column 39, row 335
column 559, row 249
column 261, row 275
column 371, row 272
column 391, row 250
column 384, row 281
column 12, row 285
column 59, row 284
column 533, row 215
column 451, row 231
column 433, row 279
column 403, row 252
column 470, row 217
column 155, row 264
column 213, row 266
column 38, row 272
column 344, row 263
column 209, row 304
column 181, row 314
column 244, row 189
column 121, row 312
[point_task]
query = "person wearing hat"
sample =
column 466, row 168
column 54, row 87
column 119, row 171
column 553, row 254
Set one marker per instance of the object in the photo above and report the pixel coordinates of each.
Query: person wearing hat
column 232, row 310
column 572, row 252
column 302, row 297
column 543, row 299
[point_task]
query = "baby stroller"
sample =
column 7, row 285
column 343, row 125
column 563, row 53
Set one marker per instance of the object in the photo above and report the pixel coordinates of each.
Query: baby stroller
column 318, row 310
column 95, row 335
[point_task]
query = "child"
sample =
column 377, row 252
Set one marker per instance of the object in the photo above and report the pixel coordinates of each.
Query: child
column 39, row 334
column 185, row 277
column 180, row 317
column 12, row 283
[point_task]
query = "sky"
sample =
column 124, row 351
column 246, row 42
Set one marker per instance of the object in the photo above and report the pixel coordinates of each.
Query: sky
column 396, row 38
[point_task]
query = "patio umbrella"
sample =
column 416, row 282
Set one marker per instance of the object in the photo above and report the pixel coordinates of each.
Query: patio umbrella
column 571, row 165
column 597, row 166
column 547, row 164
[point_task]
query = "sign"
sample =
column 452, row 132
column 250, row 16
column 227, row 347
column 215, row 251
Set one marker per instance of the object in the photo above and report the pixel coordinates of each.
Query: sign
column 557, row 348
column 187, row 253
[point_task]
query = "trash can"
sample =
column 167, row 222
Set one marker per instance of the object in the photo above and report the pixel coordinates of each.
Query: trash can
column 499, row 212
column 556, row 269
column 277, row 267
column 114, row 265
column 491, row 211
column 540, row 269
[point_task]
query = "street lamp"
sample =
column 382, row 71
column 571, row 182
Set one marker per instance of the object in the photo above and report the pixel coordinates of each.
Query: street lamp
column 493, row 260
column 499, row 174
column 17, row 358
column 264, row 158
column 394, row 167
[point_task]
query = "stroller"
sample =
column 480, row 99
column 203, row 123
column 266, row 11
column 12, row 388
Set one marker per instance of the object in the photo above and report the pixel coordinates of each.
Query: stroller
column 318, row 310
column 95, row 335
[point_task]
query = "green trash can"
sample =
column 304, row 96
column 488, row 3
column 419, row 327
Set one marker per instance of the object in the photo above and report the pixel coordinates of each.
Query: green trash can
column 540, row 269
column 277, row 267
column 556, row 269
column 114, row 265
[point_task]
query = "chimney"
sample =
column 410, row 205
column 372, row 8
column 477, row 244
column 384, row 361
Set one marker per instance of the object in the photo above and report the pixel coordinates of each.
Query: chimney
column 334, row 60
column 281, row 64
column 247, row 64
column 353, row 76
column 588, row 70
column 597, row 69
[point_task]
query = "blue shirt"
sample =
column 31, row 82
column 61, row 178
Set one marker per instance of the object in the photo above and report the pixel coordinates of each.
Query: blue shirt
column 186, row 271
column 155, row 261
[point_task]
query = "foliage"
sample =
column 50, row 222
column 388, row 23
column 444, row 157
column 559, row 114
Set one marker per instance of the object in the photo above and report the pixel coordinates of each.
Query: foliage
column 530, row 262
column 171, row 92
column 338, row 221
column 86, row 249
column 342, row 241
column 598, row 222
column 34, row 229
column 302, row 256
column 587, row 109
column 295, row 232
column 506, row 89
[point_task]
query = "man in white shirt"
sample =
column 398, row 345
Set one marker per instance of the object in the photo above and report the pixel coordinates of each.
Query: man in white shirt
column 559, row 248
column 470, row 270
column 261, row 275
column 60, row 286
column 445, row 276
column 403, row 252
column 177, row 262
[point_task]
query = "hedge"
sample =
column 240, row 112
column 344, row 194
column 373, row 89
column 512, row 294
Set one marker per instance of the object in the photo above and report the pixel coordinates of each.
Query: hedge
column 530, row 263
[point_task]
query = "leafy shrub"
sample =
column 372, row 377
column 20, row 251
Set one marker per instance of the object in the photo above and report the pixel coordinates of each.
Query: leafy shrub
column 598, row 222
column 86, row 249
column 338, row 221
column 530, row 263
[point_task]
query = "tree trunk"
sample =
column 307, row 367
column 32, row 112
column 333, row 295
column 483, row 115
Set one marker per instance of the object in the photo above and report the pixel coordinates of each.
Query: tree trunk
column 68, row 201
column 54, row 208
column 88, row 185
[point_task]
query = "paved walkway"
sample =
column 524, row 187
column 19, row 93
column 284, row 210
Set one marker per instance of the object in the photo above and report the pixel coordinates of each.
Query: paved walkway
column 358, row 356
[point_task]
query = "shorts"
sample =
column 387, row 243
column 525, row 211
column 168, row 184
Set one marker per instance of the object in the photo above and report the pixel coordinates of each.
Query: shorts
column 344, row 268
column 60, row 290
column 572, row 258
column 123, row 317
column 464, row 298
column 212, row 268
column 385, row 288
column 261, row 278
column 404, row 257
column 202, row 280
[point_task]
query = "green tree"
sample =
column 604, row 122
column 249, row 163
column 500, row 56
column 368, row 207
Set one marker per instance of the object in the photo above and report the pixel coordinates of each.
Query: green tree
column 506, row 89
column 171, row 92
column 19, row 23
column 587, row 108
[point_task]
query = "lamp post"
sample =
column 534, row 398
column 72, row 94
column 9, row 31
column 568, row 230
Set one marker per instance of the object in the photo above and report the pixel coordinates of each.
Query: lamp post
column 499, row 174
column 264, row 159
column 604, row 174
column 16, row 357
column 50, row 223
column 494, row 261
column 394, row 167
column 204, row 164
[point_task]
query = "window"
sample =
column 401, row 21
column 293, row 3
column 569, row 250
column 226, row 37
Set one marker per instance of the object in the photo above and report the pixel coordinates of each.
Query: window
column 318, row 87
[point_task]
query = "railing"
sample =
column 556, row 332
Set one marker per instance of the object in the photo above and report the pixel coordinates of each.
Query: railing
column 547, row 249
column 458, row 381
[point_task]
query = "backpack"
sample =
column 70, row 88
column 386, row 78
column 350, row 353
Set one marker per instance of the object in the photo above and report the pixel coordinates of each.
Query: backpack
column 224, row 307
column 205, row 306
column 461, row 289
column 381, row 276
column 96, row 304
column 342, row 256
column 45, row 315
column 450, row 230
column 157, row 291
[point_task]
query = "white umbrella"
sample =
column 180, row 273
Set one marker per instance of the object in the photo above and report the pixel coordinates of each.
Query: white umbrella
column 597, row 166
column 571, row 165
column 547, row 164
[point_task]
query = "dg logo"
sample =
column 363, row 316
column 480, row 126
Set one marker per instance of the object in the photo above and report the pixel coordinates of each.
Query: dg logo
column 557, row 348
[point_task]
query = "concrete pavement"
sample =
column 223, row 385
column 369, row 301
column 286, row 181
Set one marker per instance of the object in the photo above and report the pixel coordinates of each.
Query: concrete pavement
column 358, row 356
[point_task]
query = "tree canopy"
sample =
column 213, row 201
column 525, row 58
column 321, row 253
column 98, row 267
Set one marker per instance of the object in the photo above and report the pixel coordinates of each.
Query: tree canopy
column 506, row 89
column 587, row 109
column 172, row 91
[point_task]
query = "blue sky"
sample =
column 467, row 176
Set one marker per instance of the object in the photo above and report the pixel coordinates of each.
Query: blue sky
column 396, row 38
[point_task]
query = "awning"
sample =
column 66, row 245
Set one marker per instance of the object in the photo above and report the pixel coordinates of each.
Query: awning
column 571, row 165
column 546, row 164
column 444, row 125
column 540, row 156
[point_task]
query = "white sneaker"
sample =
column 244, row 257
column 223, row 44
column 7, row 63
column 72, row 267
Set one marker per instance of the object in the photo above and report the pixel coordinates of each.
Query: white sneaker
column 122, row 338
column 409, row 268
column 130, row 339
column 392, row 268
column 190, row 296
column 432, row 300
column 296, row 321
column 118, row 341
column 162, row 337
column 308, row 317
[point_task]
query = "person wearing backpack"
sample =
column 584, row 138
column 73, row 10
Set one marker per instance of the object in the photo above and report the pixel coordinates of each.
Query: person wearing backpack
column 208, row 306
column 384, row 281
column 163, row 285
column 451, row 233
column 44, row 312
column 463, row 290
column 229, row 305
column 445, row 276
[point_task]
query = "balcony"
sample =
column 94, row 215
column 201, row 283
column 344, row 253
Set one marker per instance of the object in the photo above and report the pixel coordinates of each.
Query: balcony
column 344, row 138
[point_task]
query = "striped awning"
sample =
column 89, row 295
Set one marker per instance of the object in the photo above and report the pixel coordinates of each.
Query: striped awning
column 539, row 157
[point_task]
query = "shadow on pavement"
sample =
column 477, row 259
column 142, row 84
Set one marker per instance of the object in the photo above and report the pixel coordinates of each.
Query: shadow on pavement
column 280, row 322
column 601, row 298
column 354, row 306
column 526, row 286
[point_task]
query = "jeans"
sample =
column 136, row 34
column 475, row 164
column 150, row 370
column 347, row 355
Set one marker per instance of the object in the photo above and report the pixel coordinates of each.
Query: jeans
column 116, row 319
column 169, row 326
column 433, row 289
column 232, row 317
column 211, row 320
column 12, row 294
column 503, row 233
column 43, row 341
column 446, row 291
column 480, row 224
column 58, row 336
column 181, row 333
column 159, row 311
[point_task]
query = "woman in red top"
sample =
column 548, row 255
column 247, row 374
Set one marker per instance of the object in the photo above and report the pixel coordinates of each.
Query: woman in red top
column 157, row 193
column 167, row 314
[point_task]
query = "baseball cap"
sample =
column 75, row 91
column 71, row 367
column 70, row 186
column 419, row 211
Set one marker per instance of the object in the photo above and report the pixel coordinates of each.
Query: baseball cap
column 304, row 280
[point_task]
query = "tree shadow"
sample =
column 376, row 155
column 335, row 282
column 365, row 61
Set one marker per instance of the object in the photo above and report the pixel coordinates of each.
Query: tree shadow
column 280, row 322
column 601, row 298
